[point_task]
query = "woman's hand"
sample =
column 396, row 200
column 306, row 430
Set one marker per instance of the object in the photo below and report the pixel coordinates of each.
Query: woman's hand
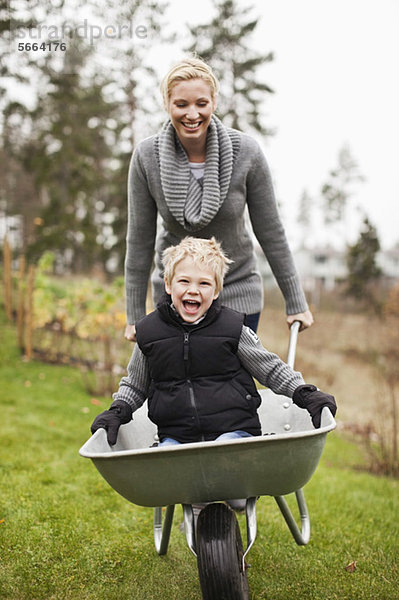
column 306, row 319
column 130, row 333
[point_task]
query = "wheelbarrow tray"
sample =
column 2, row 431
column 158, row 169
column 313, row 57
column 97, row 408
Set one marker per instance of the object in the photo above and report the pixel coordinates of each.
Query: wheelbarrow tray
column 277, row 463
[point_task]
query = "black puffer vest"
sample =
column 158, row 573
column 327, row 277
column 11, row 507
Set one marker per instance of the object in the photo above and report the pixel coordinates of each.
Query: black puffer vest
column 199, row 389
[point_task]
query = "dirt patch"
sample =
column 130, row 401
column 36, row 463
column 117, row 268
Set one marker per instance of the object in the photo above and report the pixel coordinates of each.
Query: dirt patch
column 337, row 354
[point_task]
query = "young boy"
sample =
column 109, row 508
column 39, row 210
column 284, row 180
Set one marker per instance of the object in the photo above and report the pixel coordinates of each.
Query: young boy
column 194, row 360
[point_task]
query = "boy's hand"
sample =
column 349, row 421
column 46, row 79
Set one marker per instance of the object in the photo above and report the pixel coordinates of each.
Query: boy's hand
column 119, row 413
column 309, row 397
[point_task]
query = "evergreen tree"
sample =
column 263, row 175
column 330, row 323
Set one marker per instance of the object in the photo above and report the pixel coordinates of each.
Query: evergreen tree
column 223, row 44
column 304, row 219
column 17, row 66
column 66, row 159
column 133, row 80
column 16, row 187
column 337, row 191
column 68, row 153
column 12, row 61
column 23, row 74
column 363, row 270
column 131, row 76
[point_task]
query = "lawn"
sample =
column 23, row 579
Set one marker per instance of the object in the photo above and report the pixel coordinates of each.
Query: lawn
column 65, row 534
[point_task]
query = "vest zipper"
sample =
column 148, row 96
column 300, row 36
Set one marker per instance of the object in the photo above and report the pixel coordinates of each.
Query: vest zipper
column 186, row 342
column 185, row 352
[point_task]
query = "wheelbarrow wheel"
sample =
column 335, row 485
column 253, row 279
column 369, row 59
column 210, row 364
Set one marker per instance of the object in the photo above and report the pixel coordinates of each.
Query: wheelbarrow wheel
column 221, row 571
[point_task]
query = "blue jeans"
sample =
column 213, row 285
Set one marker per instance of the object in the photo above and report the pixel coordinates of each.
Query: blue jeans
column 230, row 435
column 252, row 321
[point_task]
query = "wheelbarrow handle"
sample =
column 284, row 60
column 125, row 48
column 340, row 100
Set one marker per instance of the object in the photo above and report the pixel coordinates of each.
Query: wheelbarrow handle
column 294, row 330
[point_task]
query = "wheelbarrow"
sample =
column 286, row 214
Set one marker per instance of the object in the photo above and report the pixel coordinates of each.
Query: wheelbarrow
column 278, row 463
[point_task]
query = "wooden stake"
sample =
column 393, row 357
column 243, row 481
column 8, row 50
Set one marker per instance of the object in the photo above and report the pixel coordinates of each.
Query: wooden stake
column 29, row 313
column 7, row 279
column 21, row 303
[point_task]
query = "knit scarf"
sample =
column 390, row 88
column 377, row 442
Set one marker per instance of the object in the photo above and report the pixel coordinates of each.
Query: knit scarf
column 193, row 205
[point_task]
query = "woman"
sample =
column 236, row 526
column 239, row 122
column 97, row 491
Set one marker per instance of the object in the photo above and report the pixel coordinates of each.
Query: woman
column 199, row 176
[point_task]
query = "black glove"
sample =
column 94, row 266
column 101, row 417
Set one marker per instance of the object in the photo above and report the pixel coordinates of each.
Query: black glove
column 309, row 397
column 119, row 412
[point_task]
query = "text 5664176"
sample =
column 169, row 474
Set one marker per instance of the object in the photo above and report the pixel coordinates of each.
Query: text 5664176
column 52, row 46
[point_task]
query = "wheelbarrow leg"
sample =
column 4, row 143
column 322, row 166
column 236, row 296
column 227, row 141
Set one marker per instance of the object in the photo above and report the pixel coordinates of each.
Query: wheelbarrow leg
column 301, row 537
column 251, row 525
column 162, row 533
column 189, row 527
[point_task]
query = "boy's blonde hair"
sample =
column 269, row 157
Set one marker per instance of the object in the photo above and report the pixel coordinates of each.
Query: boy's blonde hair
column 186, row 69
column 204, row 253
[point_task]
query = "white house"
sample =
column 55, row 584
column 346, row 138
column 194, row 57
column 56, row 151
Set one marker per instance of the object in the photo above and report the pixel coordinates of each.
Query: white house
column 324, row 266
column 12, row 227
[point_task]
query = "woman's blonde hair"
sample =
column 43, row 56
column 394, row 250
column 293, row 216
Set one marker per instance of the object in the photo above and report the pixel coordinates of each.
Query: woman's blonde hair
column 184, row 70
column 204, row 253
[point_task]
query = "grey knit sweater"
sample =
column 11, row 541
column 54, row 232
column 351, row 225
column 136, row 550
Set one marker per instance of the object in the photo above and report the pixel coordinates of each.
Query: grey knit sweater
column 152, row 226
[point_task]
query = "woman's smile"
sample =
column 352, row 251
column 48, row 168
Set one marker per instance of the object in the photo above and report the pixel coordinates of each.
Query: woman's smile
column 192, row 126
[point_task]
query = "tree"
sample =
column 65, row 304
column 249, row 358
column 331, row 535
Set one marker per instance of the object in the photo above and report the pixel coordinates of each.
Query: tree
column 363, row 270
column 131, row 76
column 223, row 44
column 69, row 154
column 23, row 74
column 304, row 218
column 132, row 79
column 22, row 67
column 337, row 191
column 66, row 152
column 11, row 62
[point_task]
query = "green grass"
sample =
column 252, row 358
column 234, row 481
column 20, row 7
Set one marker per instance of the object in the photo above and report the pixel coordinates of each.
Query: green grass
column 66, row 535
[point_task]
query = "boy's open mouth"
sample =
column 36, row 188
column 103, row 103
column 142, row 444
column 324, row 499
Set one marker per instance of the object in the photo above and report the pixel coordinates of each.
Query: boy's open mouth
column 191, row 306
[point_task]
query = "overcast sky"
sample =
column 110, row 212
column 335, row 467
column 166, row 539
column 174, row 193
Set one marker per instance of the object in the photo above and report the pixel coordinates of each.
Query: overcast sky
column 336, row 79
